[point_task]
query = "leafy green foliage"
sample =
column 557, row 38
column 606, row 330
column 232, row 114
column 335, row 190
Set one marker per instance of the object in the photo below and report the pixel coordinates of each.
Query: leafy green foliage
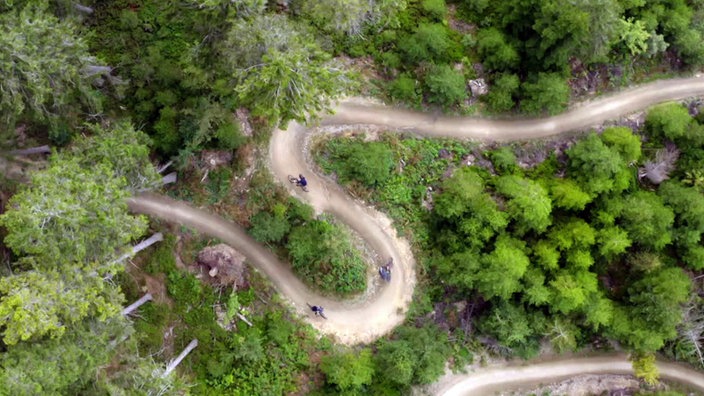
column 501, row 96
column 548, row 92
column 348, row 370
column 670, row 120
column 528, row 203
column 430, row 41
column 322, row 254
column 47, row 69
column 446, row 86
column 405, row 88
column 646, row 219
column 495, row 51
column 281, row 74
column 367, row 162
column 596, row 167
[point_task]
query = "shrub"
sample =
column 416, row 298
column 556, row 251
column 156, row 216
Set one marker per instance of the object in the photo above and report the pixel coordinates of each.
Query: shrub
column 322, row 254
column 447, row 86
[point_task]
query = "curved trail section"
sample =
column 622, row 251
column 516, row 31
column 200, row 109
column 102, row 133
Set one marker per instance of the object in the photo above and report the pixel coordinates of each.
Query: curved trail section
column 490, row 381
column 381, row 309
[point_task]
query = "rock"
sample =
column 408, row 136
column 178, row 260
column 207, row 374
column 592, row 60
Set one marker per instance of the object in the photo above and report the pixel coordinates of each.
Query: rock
column 214, row 158
column 478, row 87
column 224, row 264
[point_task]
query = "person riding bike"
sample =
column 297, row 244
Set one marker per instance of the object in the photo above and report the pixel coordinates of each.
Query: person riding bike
column 317, row 309
column 302, row 181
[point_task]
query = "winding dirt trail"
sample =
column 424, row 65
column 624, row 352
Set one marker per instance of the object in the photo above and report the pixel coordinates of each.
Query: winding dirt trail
column 383, row 308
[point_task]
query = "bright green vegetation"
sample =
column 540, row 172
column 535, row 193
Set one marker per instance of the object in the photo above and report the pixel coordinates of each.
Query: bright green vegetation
column 574, row 248
column 266, row 358
column 527, row 50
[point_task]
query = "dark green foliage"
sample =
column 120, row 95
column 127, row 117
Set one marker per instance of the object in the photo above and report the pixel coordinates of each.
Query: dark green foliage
column 430, row 41
column 367, row 162
column 497, row 54
column 545, row 93
column 405, row 89
column 446, row 86
column 219, row 183
column 429, row 348
column 322, row 254
column 502, row 94
column 348, row 370
column 267, row 227
column 653, row 311
column 436, row 9
column 514, row 328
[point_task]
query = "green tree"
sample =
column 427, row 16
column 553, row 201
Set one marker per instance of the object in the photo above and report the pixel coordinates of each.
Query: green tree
column 267, row 227
column 405, row 88
column 430, row 348
column 447, row 86
column 571, row 290
column 501, row 96
column 624, row 142
column 47, row 69
column 567, row 194
column 670, row 121
column 122, row 148
column 397, row 360
column 528, row 203
column 645, row 217
column 279, row 71
column 597, row 167
column 502, row 269
column 71, row 213
column 653, row 309
column 513, row 327
column 612, row 241
column 547, row 92
column 633, row 35
column 368, row 162
column 644, row 367
column 348, row 370
column 61, row 366
column 496, row 53
column 430, row 42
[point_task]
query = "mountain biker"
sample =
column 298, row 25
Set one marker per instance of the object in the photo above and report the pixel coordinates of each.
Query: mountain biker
column 302, row 181
column 318, row 310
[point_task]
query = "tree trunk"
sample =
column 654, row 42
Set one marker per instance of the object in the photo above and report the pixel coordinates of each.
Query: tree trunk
column 34, row 150
column 170, row 178
column 82, row 8
column 142, row 245
column 163, row 167
column 137, row 304
column 191, row 346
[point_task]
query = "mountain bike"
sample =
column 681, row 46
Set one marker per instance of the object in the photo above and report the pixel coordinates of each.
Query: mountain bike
column 297, row 182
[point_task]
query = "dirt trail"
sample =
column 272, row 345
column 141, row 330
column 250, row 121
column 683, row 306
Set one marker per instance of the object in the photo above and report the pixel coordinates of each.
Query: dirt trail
column 363, row 321
column 491, row 380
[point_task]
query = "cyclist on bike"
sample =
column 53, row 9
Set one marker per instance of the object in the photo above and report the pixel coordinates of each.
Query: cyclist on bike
column 318, row 310
column 302, row 181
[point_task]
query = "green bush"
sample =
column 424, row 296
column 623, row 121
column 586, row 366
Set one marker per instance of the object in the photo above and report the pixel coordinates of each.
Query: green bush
column 405, row 88
column 269, row 228
column 323, row 255
column 447, row 86
column 162, row 259
column 436, row 9
column 367, row 162
column 219, row 183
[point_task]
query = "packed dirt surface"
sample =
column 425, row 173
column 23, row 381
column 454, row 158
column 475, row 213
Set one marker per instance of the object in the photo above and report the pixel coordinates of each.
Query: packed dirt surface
column 353, row 322
column 491, row 381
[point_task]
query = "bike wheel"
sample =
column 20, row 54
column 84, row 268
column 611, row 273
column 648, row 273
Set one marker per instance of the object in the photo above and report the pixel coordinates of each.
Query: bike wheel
column 292, row 179
column 323, row 315
column 304, row 188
